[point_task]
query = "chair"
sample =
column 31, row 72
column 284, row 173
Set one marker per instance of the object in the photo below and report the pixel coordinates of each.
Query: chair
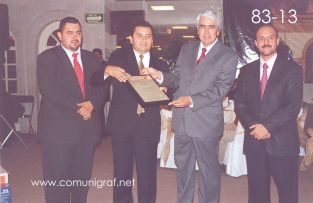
column 27, row 102
column 12, row 131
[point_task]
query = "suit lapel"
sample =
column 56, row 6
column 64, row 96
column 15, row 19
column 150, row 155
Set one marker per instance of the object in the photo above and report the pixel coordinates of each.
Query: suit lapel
column 256, row 84
column 274, row 76
column 133, row 68
column 87, row 71
column 212, row 54
column 204, row 67
column 194, row 57
column 153, row 60
column 207, row 63
column 194, row 69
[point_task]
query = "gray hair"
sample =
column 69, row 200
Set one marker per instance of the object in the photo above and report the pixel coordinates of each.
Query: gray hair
column 213, row 15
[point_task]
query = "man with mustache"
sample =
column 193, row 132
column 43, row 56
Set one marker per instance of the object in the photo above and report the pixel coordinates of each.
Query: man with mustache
column 69, row 116
column 267, row 101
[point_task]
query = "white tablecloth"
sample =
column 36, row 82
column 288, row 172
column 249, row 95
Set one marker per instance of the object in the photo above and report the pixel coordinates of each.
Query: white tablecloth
column 234, row 158
column 166, row 145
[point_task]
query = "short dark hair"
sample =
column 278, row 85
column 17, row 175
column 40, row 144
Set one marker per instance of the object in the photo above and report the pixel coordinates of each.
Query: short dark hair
column 97, row 50
column 266, row 25
column 141, row 24
column 68, row 20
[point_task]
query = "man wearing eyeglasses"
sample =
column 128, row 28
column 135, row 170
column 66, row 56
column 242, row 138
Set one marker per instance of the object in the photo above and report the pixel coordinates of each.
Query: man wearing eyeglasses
column 205, row 71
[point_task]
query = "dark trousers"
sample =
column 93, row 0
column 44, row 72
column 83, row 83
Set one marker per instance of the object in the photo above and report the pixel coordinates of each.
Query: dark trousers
column 136, row 147
column 284, row 170
column 67, row 165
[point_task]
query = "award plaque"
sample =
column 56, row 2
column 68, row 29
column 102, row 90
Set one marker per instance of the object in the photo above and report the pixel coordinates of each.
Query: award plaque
column 147, row 91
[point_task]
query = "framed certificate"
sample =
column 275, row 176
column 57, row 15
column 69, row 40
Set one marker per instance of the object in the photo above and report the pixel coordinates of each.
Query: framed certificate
column 147, row 91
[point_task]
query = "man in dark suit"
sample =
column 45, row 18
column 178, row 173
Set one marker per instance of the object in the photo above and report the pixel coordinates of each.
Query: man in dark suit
column 105, row 105
column 267, row 100
column 135, row 131
column 99, row 55
column 68, row 123
column 204, row 73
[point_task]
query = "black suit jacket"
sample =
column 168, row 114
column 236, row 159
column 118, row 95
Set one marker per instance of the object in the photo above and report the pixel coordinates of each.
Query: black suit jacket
column 60, row 93
column 278, row 109
column 122, row 116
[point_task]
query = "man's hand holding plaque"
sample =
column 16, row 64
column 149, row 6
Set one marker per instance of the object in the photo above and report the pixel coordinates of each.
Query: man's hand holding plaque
column 116, row 72
column 148, row 90
column 155, row 74
column 144, row 87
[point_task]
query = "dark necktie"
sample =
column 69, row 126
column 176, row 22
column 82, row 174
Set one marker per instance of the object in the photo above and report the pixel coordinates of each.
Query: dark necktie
column 79, row 73
column 140, row 109
column 140, row 63
column 264, row 79
column 202, row 55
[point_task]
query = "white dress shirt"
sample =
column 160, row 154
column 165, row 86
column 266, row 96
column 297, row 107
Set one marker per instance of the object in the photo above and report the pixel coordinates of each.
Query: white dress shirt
column 145, row 60
column 270, row 64
column 69, row 53
column 208, row 48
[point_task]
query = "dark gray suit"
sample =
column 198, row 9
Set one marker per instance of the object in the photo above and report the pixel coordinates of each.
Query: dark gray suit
column 198, row 129
column 68, row 141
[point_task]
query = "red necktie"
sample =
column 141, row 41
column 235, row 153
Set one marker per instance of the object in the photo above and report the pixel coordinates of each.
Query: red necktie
column 202, row 55
column 79, row 73
column 264, row 79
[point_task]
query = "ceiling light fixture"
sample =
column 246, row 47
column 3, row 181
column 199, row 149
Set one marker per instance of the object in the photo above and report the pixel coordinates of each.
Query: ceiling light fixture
column 162, row 8
column 179, row 27
column 188, row 36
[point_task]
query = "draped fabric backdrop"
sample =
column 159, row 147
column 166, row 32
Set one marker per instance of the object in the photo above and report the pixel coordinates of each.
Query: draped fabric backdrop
column 239, row 30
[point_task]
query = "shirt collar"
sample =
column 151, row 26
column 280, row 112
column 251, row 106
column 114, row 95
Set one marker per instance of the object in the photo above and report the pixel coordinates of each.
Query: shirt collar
column 145, row 55
column 70, row 53
column 270, row 62
column 208, row 48
column 146, row 58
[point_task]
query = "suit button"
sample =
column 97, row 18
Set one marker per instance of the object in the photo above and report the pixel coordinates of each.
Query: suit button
column 261, row 116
